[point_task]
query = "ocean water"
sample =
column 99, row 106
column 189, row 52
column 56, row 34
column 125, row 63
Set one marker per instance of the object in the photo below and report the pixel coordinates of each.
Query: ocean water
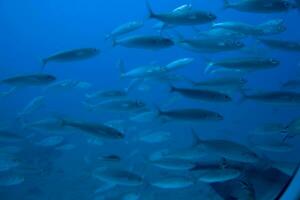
column 74, row 155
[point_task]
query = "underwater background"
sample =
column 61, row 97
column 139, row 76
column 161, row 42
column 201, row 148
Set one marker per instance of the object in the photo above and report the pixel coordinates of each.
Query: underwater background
column 64, row 167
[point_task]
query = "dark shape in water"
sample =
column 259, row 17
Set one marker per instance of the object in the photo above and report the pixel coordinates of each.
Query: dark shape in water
column 29, row 80
column 195, row 114
column 145, row 42
column 72, row 55
column 203, row 95
column 261, row 6
column 282, row 44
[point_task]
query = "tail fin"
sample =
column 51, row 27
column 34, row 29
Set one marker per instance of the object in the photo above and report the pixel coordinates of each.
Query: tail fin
column 159, row 111
column 44, row 63
column 151, row 14
column 209, row 65
column 196, row 138
column 243, row 96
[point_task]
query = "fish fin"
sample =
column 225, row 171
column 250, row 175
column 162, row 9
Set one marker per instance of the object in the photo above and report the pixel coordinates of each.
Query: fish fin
column 196, row 138
column 243, row 96
column 44, row 63
column 151, row 14
column 208, row 68
column 158, row 110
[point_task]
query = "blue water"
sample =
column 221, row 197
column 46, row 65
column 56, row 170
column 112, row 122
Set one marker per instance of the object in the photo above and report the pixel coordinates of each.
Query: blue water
column 32, row 30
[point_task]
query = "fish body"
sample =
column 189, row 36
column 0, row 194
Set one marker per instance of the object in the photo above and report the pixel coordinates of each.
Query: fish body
column 125, row 28
column 29, row 80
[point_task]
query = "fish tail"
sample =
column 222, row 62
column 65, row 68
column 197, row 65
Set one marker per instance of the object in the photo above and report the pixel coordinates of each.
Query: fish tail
column 151, row 14
column 159, row 111
column 208, row 68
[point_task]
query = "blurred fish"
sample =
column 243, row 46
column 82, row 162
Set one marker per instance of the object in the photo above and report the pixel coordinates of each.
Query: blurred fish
column 48, row 124
column 8, row 92
column 71, row 55
column 145, row 42
column 118, row 177
column 51, row 141
column 270, row 27
column 34, row 105
column 182, row 17
column 11, row 180
column 284, row 45
column 244, row 64
column 215, row 173
column 227, row 149
column 8, row 136
column 118, row 105
column 190, row 115
column 205, row 45
column 222, row 83
column 221, row 34
column 277, row 97
column 291, row 85
column 202, row 94
column 95, row 129
column 67, row 85
column 125, row 28
column 276, row 147
column 260, row 6
column 108, row 94
column 173, row 182
column 29, row 80
column 269, row 128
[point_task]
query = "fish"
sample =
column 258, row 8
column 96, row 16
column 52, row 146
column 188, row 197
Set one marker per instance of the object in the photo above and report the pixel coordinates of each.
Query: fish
column 269, row 128
column 274, row 97
column 149, row 42
column 227, row 149
column 291, row 85
column 260, row 6
column 270, row 27
column 63, row 85
column 202, row 94
column 71, row 55
column 95, row 129
column 214, row 174
column 47, row 124
column 222, row 83
column 173, row 182
column 244, row 64
column 11, row 180
column 117, row 105
column 182, row 17
column 29, row 80
column 34, row 105
column 190, row 115
column 8, row 136
column 284, row 45
column 108, row 94
column 118, row 176
column 125, row 28
column 206, row 45
column 221, row 34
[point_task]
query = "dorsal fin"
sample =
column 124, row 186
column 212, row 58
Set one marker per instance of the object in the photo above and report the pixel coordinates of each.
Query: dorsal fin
column 196, row 139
